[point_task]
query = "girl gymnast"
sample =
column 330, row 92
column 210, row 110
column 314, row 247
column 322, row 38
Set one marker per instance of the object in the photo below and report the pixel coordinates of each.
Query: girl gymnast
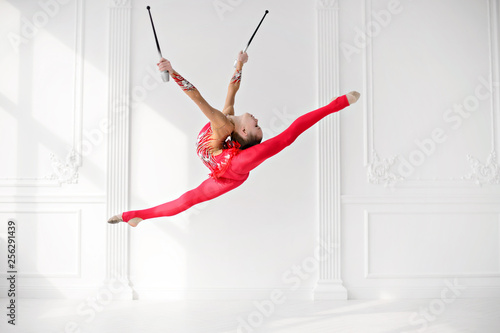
column 230, row 146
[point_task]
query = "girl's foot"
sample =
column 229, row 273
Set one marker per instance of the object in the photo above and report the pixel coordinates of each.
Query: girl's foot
column 118, row 218
column 134, row 222
column 352, row 97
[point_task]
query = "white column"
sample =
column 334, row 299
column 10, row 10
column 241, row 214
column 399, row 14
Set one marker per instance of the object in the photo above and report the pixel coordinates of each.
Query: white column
column 118, row 145
column 330, row 284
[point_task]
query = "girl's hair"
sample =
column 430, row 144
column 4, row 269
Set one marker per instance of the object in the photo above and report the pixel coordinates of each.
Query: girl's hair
column 250, row 141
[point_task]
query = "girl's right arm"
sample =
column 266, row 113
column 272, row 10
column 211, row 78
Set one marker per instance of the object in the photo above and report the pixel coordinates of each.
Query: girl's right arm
column 217, row 118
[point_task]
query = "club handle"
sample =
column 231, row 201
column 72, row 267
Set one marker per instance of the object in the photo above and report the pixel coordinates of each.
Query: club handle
column 165, row 76
column 236, row 61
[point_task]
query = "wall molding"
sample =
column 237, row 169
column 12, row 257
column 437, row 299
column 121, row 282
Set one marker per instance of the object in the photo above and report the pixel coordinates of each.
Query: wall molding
column 484, row 173
column 366, row 246
column 328, row 5
column 54, row 198
column 77, row 274
column 65, row 170
column 396, row 292
column 330, row 285
column 421, row 199
column 443, row 275
column 157, row 292
column 379, row 170
column 161, row 292
column 117, row 191
column 76, row 292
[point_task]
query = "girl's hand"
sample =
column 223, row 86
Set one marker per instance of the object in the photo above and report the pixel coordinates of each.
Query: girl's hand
column 164, row 65
column 242, row 57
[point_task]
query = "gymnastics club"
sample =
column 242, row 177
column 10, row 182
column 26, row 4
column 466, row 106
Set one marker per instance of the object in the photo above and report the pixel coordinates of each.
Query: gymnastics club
column 236, row 61
column 164, row 74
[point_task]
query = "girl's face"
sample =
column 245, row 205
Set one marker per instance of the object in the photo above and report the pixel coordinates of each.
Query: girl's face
column 251, row 125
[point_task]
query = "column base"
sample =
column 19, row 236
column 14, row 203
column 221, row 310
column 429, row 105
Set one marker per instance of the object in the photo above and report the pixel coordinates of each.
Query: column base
column 330, row 290
column 119, row 288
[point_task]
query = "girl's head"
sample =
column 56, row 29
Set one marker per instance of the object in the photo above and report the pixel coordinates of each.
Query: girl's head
column 248, row 133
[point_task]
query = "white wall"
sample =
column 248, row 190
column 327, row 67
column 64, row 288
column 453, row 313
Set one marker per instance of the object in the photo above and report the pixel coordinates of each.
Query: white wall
column 53, row 96
column 406, row 239
column 432, row 225
column 248, row 238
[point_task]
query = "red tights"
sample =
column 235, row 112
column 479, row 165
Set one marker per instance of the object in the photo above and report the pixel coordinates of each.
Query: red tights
column 240, row 166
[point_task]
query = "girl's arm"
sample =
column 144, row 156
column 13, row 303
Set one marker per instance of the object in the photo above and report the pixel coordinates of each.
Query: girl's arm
column 234, row 85
column 217, row 118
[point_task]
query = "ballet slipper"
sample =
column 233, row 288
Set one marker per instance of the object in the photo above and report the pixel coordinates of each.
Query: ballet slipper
column 352, row 97
column 115, row 219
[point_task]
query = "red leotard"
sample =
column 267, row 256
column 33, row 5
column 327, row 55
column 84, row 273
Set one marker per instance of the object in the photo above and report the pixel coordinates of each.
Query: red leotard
column 218, row 164
column 238, row 166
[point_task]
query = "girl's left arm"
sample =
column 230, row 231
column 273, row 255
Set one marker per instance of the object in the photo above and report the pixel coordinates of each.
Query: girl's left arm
column 234, row 84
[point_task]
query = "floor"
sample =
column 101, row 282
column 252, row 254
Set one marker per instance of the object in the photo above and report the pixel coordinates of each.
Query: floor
column 365, row 316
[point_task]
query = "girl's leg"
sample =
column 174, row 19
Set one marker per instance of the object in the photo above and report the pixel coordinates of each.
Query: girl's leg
column 207, row 190
column 250, row 158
